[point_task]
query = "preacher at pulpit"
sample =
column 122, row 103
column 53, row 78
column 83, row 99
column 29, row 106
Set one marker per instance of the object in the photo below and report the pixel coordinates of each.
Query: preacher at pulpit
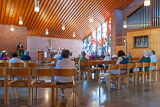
column 20, row 46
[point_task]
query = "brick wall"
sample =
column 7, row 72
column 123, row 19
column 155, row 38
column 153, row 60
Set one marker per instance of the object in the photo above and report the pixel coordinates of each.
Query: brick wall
column 35, row 44
column 10, row 39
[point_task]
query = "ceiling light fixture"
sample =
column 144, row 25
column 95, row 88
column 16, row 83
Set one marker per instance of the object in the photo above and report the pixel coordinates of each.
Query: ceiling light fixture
column 20, row 20
column 74, row 35
column 91, row 17
column 146, row 2
column 63, row 26
column 47, row 32
column 12, row 27
column 125, row 22
column 36, row 8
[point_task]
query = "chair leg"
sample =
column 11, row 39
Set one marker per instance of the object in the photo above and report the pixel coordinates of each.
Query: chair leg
column 127, row 81
column 140, row 77
column 6, row 96
column 150, row 77
column 56, row 93
column 119, row 83
column 143, row 76
column 146, row 76
column 109, row 85
column 36, row 93
column 16, row 93
column 99, row 83
column 88, row 76
column 12, row 92
column 32, row 93
column 75, row 95
column 156, row 75
column 29, row 96
column 79, row 76
column 52, row 96
column 135, row 79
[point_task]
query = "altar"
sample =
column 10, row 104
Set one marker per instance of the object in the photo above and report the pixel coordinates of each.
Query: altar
column 51, row 54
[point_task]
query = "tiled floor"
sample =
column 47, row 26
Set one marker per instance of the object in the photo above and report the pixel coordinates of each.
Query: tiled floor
column 147, row 95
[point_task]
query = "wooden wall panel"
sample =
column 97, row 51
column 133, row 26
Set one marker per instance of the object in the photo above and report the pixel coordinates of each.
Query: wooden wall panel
column 120, row 48
column 154, row 42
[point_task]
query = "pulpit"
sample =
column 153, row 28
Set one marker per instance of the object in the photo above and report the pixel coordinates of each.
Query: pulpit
column 20, row 51
column 41, row 56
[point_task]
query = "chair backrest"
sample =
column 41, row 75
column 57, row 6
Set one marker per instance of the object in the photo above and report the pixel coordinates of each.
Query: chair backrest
column 52, row 59
column 113, row 67
column 3, row 64
column 139, row 65
column 146, row 64
column 64, row 72
column 75, row 60
column 30, row 65
column 19, row 71
column 16, row 65
column 133, row 59
column 130, row 66
column 41, row 72
column 26, row 61
column 2, row 71
column 3, row 61
column 123, row 66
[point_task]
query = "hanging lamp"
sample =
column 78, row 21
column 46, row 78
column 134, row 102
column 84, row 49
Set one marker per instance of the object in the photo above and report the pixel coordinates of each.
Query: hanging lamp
column 91, row 17
column 125, row 22
column 146, row 2
column 20, row 20
column 74, row 35
column 47, row 32
column 12, row 27
column 36, row 8
column 63, row 26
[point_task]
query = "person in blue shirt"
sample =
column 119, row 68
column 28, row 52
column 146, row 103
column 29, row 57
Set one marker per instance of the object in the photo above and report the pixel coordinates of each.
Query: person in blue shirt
column 26, row 56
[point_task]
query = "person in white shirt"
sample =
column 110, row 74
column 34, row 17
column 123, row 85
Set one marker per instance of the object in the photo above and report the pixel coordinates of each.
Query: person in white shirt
column 114, row 55
column 107, row 58
column 14, row 58
column 57, row 55
column 65, row 63
column 70, row 56
column 153, row 58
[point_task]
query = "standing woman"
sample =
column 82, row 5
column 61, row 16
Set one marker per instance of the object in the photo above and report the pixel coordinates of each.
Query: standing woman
column 19, row 46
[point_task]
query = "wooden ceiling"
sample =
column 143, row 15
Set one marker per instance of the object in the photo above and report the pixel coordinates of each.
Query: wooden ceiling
column 74, row 13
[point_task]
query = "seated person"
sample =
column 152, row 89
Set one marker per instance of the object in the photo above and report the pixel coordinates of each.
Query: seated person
column 153, row 58
column 82, row 59
column 102, row 56
column 70, row 56
column 142, row 55
column 26, row 56
column 60, row 58
column 96, row 56
column 57, row 55
column 114, row 55
column 14, row 58
column 129, row 55
column 3, row 55
column 92, row 56
column 122, row 59
column 65, row 63
column 145, row 59
column 107, row 58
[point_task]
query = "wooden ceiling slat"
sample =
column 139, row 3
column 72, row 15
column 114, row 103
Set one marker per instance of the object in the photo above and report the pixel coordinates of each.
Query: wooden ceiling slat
column 74, row 13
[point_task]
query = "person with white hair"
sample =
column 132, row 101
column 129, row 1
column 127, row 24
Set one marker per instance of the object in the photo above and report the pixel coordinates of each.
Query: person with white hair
column 114, row 55
column 3, row 55
column 26, row 56
column 57, row 55
column 146, row 58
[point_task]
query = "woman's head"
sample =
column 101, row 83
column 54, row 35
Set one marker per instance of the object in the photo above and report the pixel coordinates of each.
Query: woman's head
column 83, row 53
column 14, row 54
column 146, row 54
column 120, row 53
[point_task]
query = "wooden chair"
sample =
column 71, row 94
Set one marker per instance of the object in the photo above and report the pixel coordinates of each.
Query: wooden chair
column 80, row 72
column 4, row 64
column 64, row 73
column 26, row 61
column 3, row 83
column 41, row 83
column 130, row 66
column 49, row 60
column 138, row 65
column 19, row 65
column 30, row 65
column 153, row 71
column 92, row 66
column 3, row 61
column 144, row 73
column 21, row 83
column 133, row 59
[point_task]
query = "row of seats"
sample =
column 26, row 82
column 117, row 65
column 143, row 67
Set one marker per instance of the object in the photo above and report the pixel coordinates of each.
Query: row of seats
column 14, row 70
column 142, row 75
